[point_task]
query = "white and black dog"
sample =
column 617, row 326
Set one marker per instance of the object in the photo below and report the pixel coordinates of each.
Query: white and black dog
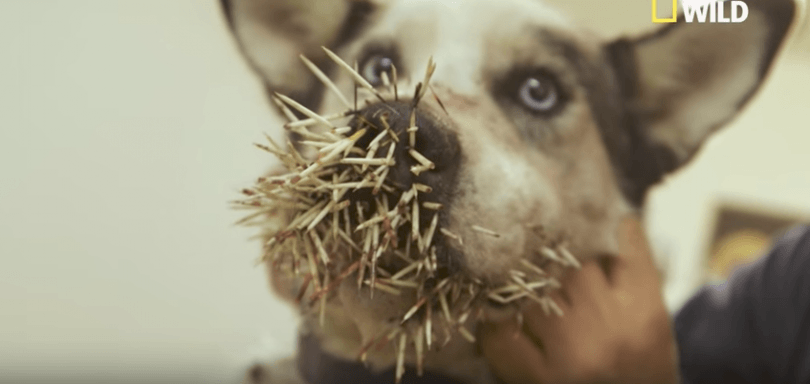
column 543, row 124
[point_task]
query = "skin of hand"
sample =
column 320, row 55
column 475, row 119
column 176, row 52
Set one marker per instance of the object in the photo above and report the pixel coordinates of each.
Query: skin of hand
column 615, row 327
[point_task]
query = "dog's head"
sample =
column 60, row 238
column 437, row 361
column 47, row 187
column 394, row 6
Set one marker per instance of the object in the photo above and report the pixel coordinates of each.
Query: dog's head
column 532, row 122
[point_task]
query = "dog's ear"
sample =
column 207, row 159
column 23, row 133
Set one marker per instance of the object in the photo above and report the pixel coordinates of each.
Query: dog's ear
column 683, row 82
column 273, row 33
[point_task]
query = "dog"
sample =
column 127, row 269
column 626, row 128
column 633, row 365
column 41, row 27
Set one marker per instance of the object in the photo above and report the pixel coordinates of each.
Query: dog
column 535, row 123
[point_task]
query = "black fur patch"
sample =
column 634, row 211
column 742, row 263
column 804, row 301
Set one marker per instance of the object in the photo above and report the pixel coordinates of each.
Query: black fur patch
column 641, row 162
column 611, row 85
column 227, row 10
column 318, row 367
column 360, row 13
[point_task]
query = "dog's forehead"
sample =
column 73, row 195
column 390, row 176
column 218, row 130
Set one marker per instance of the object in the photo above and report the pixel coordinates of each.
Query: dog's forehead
column 469, row 20
column 465, row 36
column 483, row 12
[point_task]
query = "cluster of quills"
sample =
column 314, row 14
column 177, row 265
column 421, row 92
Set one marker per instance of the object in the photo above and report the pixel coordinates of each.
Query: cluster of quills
column 316, row 229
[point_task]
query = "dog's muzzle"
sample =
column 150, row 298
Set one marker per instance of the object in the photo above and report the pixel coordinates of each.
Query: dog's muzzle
column 433, row 141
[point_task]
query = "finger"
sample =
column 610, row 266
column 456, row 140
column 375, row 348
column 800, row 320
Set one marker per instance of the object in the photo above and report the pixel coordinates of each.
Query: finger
column 585, row 285
column 561, row 296
column 632, row 239
column 545, row 326
column 579, row 289
column 584, row 289
column 514, row 357
column 578, row 285
column 634, row 264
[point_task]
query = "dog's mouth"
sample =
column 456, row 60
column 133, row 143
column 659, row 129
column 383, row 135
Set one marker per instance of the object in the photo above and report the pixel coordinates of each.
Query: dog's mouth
column 421, row 176
column 370, row 201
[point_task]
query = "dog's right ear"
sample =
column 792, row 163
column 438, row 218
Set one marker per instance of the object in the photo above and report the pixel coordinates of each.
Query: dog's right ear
column 273, row 33
column 683, row 82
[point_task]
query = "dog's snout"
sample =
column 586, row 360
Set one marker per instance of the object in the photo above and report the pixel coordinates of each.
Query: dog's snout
column 428, row 159
column 426, row 152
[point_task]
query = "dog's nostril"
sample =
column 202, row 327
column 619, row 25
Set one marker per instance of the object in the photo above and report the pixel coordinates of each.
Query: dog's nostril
column 496, row 304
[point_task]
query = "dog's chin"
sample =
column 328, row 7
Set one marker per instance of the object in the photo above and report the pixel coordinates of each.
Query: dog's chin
column 358, row 318
column 355, row 323
column 355, row 319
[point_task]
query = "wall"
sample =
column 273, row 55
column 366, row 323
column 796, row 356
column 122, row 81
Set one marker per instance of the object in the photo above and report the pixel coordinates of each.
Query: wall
column 126, row 128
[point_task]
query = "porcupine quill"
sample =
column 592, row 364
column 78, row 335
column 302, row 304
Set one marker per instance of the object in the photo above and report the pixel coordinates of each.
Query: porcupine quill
column 315, row 232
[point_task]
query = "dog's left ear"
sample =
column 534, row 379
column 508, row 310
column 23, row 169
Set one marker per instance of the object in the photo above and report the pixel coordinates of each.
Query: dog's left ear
column 273, row 33
column 686, row 80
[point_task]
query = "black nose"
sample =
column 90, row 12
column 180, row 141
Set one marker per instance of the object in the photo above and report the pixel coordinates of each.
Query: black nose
column 431, row 157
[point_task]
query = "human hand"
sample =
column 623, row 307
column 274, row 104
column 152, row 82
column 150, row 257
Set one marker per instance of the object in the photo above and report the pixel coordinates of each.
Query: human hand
column 615, row 327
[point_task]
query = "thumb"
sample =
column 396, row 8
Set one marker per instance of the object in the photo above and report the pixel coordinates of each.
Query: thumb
column 635, row 260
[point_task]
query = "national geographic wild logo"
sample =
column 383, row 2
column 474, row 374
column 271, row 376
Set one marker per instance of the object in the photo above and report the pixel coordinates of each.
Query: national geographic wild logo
column 699, row 11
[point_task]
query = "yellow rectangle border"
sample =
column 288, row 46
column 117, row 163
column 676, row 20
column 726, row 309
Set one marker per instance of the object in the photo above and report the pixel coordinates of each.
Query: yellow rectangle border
column 673, row 19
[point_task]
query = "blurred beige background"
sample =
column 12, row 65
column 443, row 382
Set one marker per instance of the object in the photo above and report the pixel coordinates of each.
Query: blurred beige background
column 126, row 126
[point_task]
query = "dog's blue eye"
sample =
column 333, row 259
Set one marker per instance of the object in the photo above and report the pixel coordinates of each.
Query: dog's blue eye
column 539, row 94
column 374, row 67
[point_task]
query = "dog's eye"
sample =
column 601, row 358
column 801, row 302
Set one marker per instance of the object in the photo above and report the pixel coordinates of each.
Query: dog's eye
column 539, row 93
column 373, row 68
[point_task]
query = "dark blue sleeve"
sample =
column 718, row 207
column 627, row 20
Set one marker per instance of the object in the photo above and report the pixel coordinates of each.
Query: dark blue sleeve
column 756, row 327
